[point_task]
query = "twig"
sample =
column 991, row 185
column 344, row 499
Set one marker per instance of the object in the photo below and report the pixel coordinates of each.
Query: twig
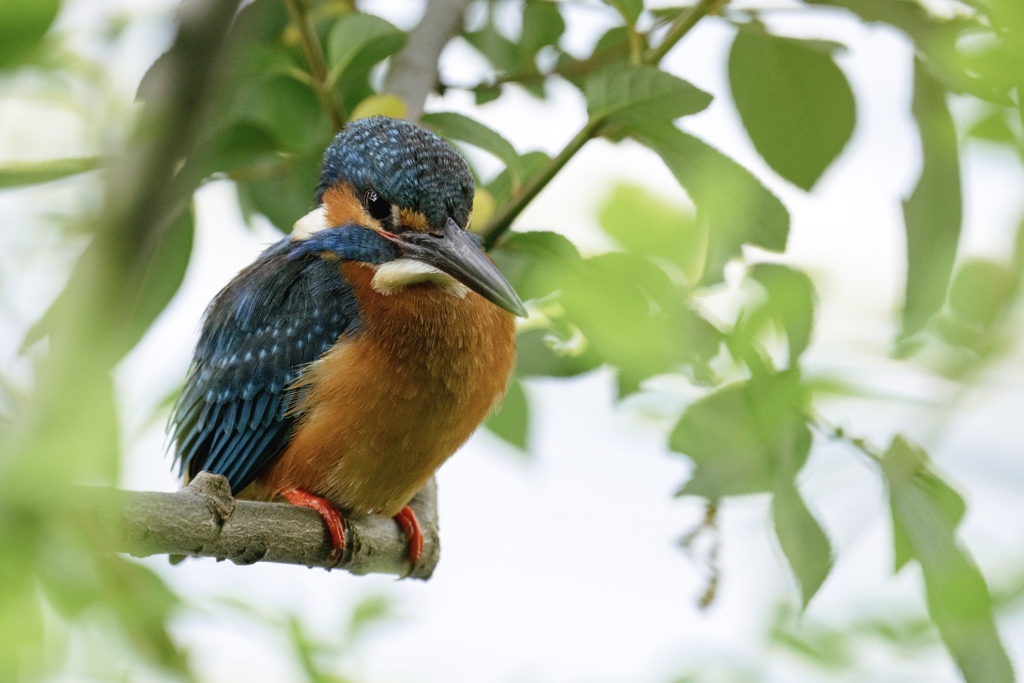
column 317, row 63
column 502, row 220
column 414, row 71
column 707, row 527
column 837, row 433
column 203, row 520
column 512, row 208
column 680, row 27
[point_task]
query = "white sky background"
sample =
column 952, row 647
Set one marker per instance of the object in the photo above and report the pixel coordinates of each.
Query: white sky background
column 562, row 567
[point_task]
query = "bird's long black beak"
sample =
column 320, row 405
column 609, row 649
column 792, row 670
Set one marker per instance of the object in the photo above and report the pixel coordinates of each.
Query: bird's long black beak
column 455, row 252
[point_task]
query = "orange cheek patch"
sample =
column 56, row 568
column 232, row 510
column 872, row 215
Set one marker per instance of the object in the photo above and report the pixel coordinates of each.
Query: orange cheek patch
column 413, row 219
column 343, row 207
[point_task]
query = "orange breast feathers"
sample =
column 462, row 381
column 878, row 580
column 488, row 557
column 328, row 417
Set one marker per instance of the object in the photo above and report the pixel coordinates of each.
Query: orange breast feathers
column 384, row 410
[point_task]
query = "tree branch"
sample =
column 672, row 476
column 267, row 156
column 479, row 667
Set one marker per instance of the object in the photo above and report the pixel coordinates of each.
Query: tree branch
column 502, row 220
column 414, row 71
column 203, row 520
column 314, row 53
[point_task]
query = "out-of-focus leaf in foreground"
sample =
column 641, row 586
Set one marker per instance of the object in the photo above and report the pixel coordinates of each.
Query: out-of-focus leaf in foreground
column 933, row 212
column 740, row 436
column 752, row 437
column 152, row 292
column 512, row 420
column 17, row 174
column 647, row 225
column 738, row 208
column 805, row 544
column 22, row 26
column 788, row 302
column 927, row 511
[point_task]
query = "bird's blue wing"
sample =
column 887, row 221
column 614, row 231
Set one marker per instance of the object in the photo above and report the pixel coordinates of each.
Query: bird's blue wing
column 259, row 334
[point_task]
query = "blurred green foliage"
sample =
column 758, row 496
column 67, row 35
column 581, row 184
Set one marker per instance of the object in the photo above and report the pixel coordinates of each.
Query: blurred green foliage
column 255, row 112
column 794, row 101
column 319, row 657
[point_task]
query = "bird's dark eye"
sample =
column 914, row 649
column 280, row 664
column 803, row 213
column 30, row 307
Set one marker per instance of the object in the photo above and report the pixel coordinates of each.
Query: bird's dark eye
column 378, row 207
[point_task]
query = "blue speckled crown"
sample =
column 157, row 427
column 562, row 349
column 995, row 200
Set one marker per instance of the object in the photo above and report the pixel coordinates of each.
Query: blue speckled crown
column 405, row 164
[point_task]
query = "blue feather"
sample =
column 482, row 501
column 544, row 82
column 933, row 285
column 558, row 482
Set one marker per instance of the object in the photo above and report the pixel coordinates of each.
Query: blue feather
column 260, row 333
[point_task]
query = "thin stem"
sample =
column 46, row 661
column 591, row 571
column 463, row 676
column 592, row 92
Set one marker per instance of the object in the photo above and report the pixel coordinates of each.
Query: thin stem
column 317, row 63
column 514, row 206
column 680, row 27
column 837, row 433
column 635, row 45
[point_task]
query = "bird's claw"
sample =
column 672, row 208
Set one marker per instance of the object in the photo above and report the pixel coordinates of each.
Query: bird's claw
column 332, row 518
column 410, row 527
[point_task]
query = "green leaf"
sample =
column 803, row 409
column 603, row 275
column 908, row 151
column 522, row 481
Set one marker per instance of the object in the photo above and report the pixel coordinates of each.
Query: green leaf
column 790, row 302
column 163, row 275
column 805, row 544
column 260, row 21
column 795, row 103
column 543, row 25
column 612, row 46
column 933, row 213
column 459, row 127
column 284, row 196
column 740, row 436
column 370, row 611
column 980, row 292
column 994, row 127
column 512, row 421
column 544, row 353
column 910, row 464
column 143, row 603
column 358, row 41
column 739, row 209
column 647, row 225
column 958, row 598
column 288, row 109
column 160, row 281
column 502, row 187
column 243, row 150
column 499, row 50
column 629, row 9
column 487, row 93
column 934, row 37
column 828, row 647
column 23, row 23
column 616, row 299
column 21, row 173
column 535, row 263
column 623, row 94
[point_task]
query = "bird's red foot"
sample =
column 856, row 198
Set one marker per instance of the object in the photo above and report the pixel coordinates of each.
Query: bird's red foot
column 332, row 518
column 410, row 526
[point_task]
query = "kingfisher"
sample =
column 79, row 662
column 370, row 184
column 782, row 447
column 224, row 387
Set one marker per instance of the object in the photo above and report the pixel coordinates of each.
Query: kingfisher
column 356, row 355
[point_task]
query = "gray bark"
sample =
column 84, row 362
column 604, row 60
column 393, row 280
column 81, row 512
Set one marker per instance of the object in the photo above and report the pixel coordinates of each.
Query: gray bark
column 204, row 520
column 414, row 71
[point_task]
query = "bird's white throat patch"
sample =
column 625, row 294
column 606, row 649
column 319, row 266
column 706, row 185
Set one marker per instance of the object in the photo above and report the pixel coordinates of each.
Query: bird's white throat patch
column 392, row 276
column 314, row 221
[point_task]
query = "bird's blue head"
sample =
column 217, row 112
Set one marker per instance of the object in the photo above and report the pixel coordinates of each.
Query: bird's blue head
column 415, row 190
column 407, row 167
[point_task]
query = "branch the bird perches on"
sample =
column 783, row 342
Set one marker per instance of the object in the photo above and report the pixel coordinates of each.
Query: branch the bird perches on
column 204, row 520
